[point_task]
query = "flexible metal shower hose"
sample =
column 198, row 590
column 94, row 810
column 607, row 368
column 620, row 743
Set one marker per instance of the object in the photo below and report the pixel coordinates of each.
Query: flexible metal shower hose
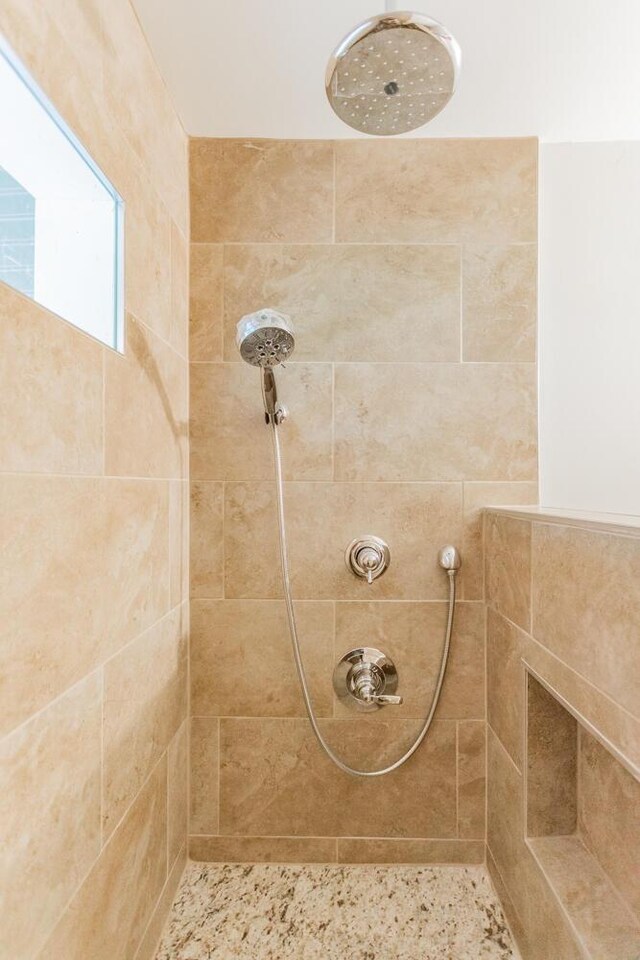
column 293, row 630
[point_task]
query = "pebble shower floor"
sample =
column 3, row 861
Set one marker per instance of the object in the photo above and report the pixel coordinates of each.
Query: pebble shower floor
column 312, row 912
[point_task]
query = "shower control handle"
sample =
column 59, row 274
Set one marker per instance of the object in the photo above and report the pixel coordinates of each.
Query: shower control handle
column 366, row 678
column 383, row 698
column 367, row 557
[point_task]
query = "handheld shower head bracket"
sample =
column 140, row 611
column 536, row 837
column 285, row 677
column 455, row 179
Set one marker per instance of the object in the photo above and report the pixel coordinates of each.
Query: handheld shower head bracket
column 274, row 411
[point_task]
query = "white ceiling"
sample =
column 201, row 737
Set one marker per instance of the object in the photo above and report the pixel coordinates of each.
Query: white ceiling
column 558, row 69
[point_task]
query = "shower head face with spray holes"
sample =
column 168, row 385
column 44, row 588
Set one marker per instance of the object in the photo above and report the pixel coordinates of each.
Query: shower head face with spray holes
column 393, row 73
column 265, row 338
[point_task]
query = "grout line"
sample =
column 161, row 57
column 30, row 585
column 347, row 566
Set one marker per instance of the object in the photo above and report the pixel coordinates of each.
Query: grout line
column 351, row 243
column 486, row 725
column 223, row 303
column 333, row 422
column 457, row 780
column 566, row 666
column 507, row 892
column 152, row 917
column 341, row 717
column 103, row 413
column 367, row 362
column 110, row 839
column 224, row 540
column 461, row 302
column 334, row 155
column 158, row 336
column 504, row 749
column 219, row 751
column 165, row 754
column 102, row 758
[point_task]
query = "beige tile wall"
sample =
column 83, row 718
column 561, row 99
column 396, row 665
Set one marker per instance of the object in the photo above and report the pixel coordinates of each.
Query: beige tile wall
column 563, row 604
column 409, row 271
column 94, row 532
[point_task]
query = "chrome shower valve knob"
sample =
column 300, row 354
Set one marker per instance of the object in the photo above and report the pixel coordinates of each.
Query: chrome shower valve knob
column 366, row 678
column 367, row 557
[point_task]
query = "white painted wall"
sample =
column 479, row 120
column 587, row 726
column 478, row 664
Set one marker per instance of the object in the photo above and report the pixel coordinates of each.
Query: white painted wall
column 557, row 69
column 590, row 326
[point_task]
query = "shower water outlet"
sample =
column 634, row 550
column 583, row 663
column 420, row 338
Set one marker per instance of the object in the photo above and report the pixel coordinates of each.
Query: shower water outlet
column 366, row 678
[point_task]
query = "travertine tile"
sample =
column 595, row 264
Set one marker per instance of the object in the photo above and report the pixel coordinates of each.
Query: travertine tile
column 206, row 539
column 229, row 438
column 609, row 817
column 412, row 634
column 241, row 659
column 505, row 822
column 615, row 724
column 267, row 766
column 149, row 944
column 146, row 408
column 99, row 577
column 415, row 520
column 350, row 302
column 552, row 746
column 51, row 401
column 179, row 546
column 499, row 287
column 410, row 421
column 143, row 709
column 477, row 496
column 205, row 751
column 177, row 793
column 436, row 191
column 547, row 932
column 515, row 924
column 263, row 849
column 206, row 302
column 586, row 598
column 179, row 326
column 261, row 190
column 50, row 814
column 604, row 927
column 110, row 911
column 147, row 251
column 137, row 97
column 383, row 850
column 507, row 544
column 472, row 767
column 506, row 646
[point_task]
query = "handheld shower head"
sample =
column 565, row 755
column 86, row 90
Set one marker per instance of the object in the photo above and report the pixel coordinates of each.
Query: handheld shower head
column 264, row 340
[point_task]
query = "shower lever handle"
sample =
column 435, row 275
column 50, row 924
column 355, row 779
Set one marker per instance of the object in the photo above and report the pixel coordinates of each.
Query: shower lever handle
column 383, row 698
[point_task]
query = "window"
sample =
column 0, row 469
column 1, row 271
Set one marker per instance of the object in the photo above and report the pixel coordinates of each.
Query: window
column 60, row 218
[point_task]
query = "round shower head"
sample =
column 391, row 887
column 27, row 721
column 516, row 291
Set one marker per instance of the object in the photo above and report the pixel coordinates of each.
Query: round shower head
column 393, row 73
column 265, row 338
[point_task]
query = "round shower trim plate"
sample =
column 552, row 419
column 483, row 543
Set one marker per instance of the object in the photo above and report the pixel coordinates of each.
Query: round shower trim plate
column 381, row 103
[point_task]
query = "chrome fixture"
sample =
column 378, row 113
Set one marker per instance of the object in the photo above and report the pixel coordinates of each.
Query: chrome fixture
column 393, row 73
column 449, row 558
column 366, row 678
column 367, row 557
column 265, row 339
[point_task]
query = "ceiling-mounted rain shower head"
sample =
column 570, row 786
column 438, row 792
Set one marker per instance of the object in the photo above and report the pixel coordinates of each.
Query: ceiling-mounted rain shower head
column 393, row 73
column 265, row 338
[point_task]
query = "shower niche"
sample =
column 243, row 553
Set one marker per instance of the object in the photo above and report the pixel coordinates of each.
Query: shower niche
column 587, row 856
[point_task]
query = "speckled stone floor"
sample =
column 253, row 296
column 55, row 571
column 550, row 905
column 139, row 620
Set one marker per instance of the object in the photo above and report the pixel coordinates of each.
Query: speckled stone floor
column 269, row 912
